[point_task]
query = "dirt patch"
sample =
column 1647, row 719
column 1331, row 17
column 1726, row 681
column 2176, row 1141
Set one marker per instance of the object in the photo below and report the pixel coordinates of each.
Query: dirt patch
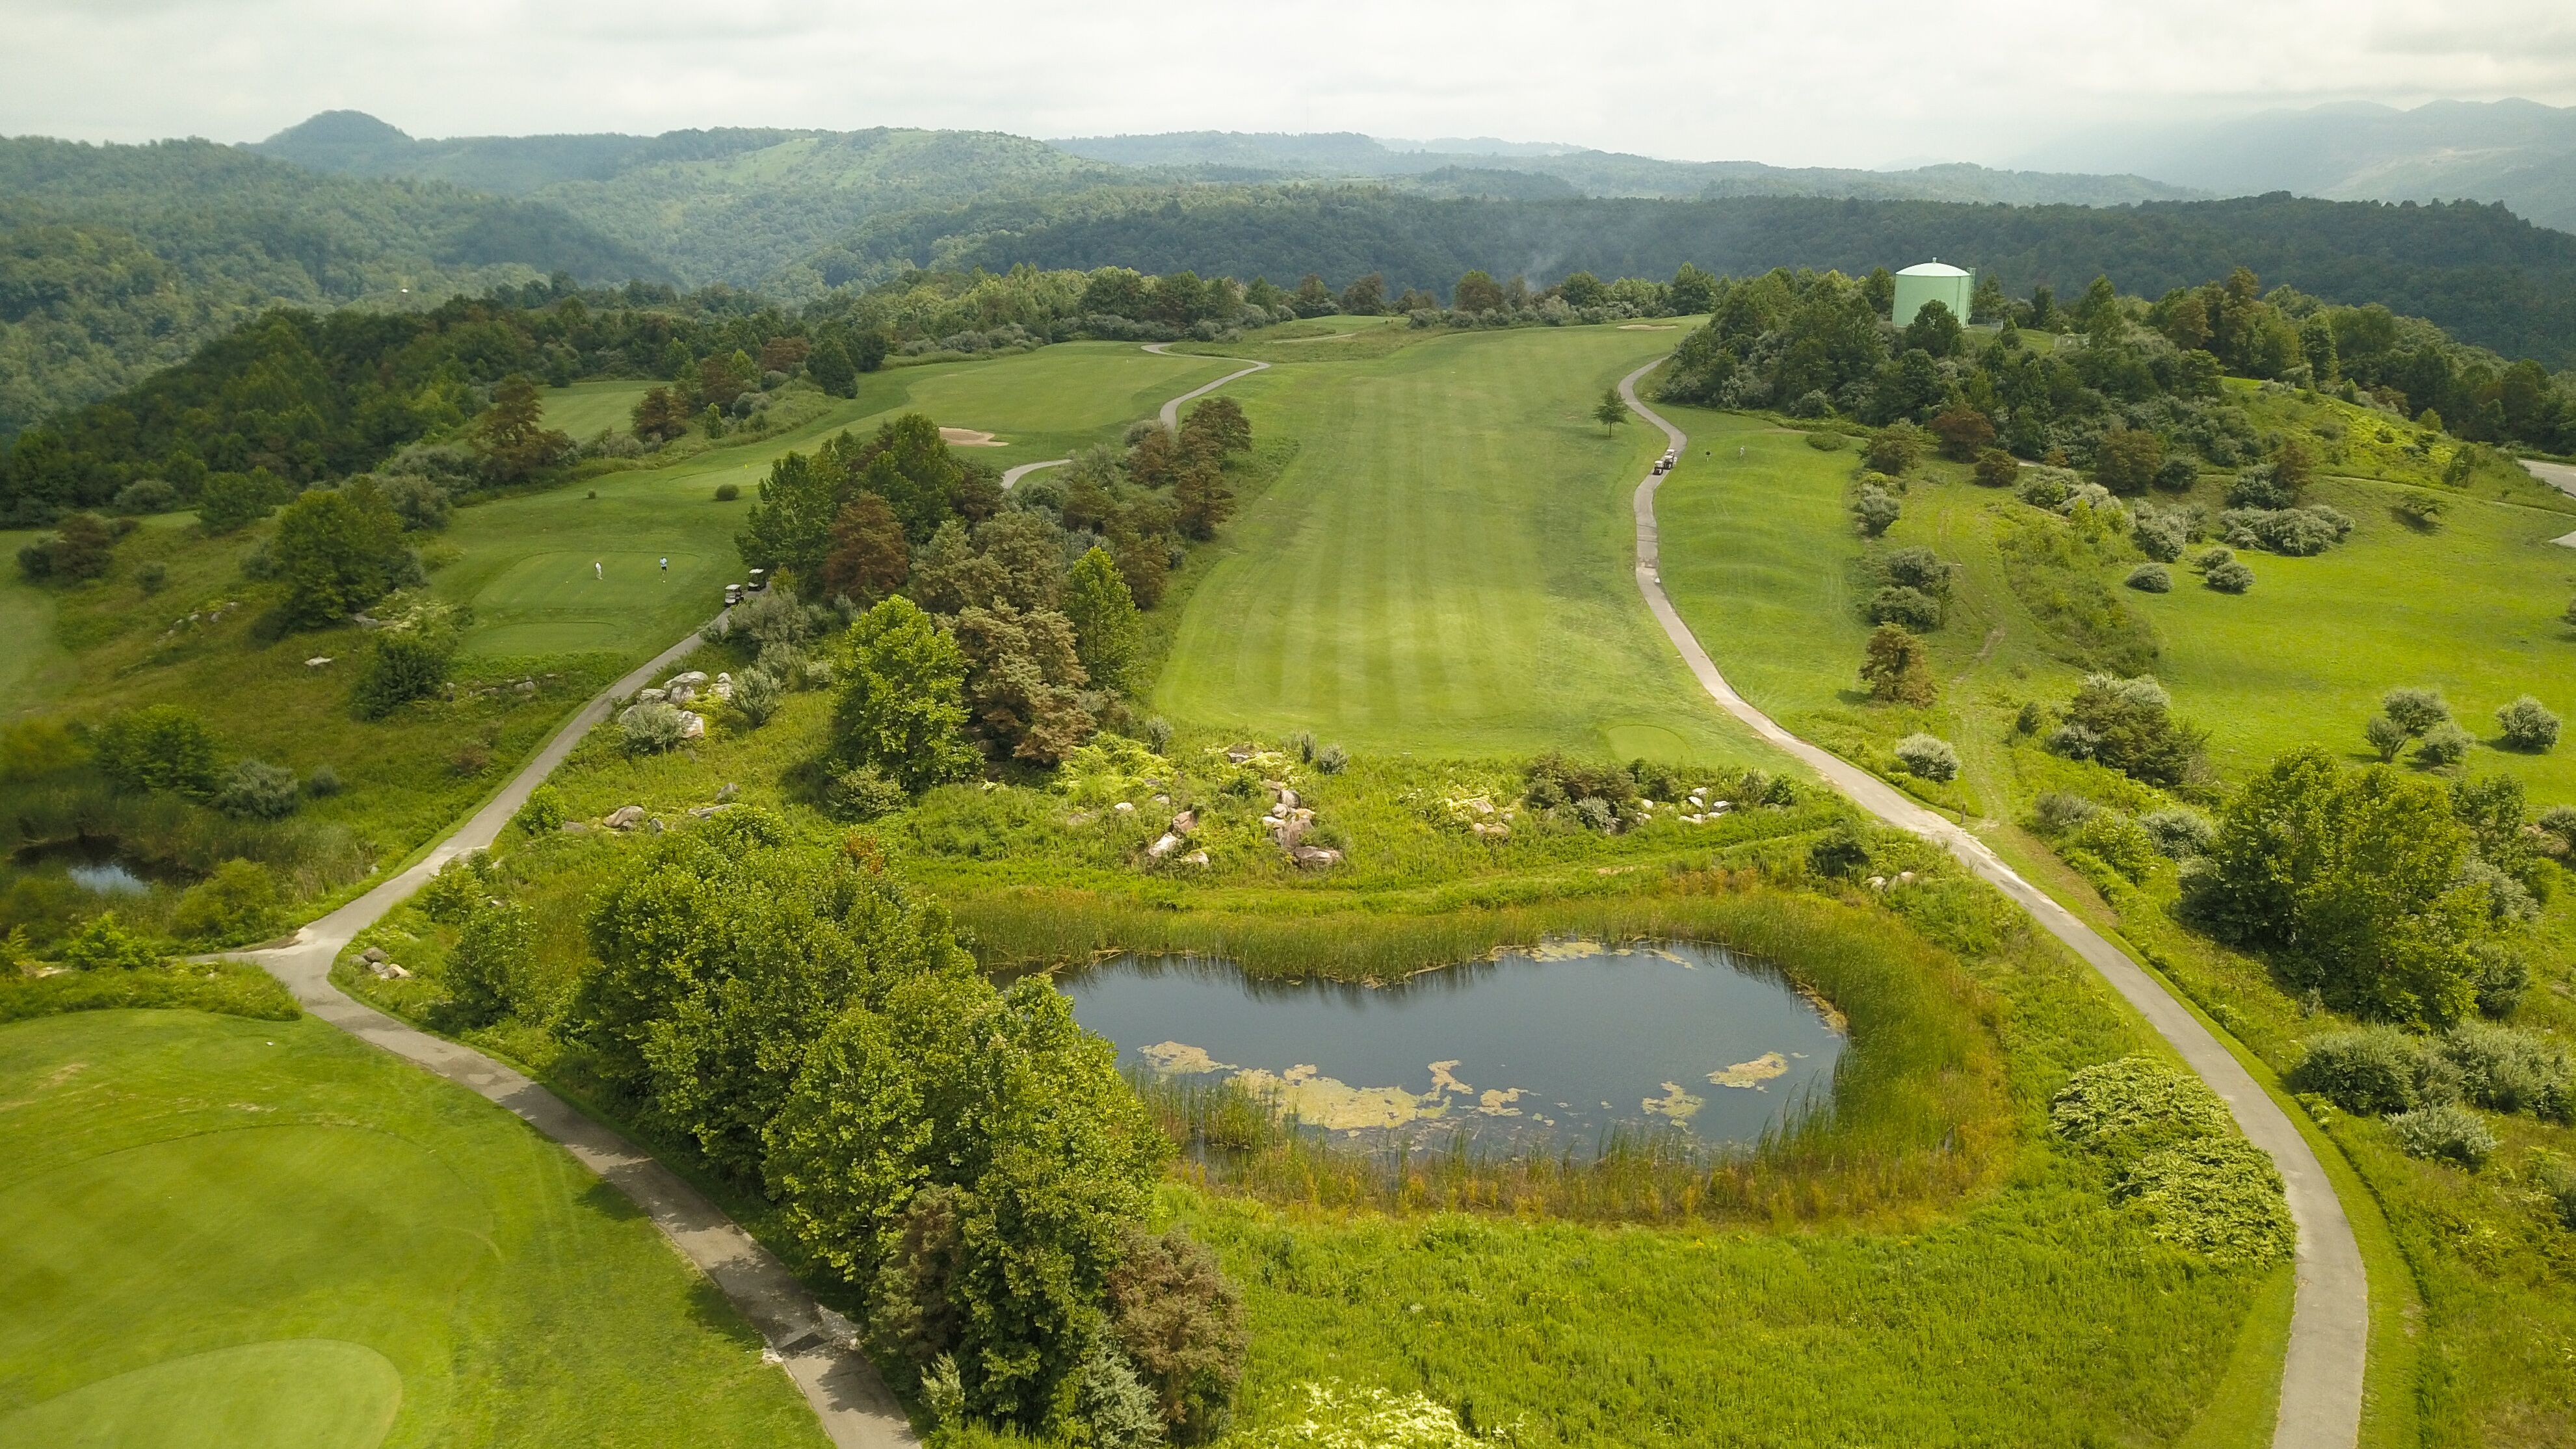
column 969, row 438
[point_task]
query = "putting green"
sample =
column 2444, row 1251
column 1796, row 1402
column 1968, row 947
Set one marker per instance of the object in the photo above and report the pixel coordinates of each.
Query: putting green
column 262, row 1233
column 294, row 1394
column 1445, row 566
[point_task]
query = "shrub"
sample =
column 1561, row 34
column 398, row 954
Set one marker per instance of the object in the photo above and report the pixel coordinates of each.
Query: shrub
column 1876, row 510
column 2178, row 832
column 542, row 814
column 862, row 793
column 2178, row 1159
column 2374, row 1070
column 2219, row 1197
column 2129, row 725
column 1841, row 855
column 2528, row 725
column 2504, row 1070
column 1897, row 668
column 2415, row 710
column 323, row 783
column 1330, row 760
column 153, row 577
column 237, row 903
column 2127, row 459
column 650, row 728
column 1997, row 468
column 1928, row 757
column 158, row 747
column 2230, row 577
column 400, row 668
column 2177, row 473
column 2117, row 841
column 1182, row 1324
column 2151, row 578
column 1826, row 442
column 728, row 492
column 755, row 696
column 2555, row 1177
column 2503, row 975
column 2162, row 534
column 2384, row 735
column 1908, row 608
column 2056, row 812
column 2560, row 821
column 2297, row 532
column 487, row 969
column 2443, row 746
column 103, row 942
column 146, row 495
column 2261, row 486
column 1896, row 447
column 1337, row 1416
column 2044, row 487
column 256, row 790
column 2444, row 1132
column 2423, row 510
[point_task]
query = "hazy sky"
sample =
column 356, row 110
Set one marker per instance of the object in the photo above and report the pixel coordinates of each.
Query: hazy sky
column 1857, row 84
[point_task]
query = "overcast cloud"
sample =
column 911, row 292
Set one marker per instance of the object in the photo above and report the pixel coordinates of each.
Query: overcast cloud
column 1857, row 84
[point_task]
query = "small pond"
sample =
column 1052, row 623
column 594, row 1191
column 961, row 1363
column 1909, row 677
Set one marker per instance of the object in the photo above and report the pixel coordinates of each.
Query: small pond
column 94, row 863
column 1555, row 1048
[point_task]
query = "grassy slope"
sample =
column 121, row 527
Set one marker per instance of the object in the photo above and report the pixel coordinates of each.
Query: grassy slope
column 587, row 409
column 234, row 1232
column 1442, row 567
column 31, row 668
column 527, row 561
column 1757, row 556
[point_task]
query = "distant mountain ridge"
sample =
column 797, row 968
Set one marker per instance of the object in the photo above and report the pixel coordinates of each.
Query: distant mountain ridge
column 1348, row 155
column 2518, row 152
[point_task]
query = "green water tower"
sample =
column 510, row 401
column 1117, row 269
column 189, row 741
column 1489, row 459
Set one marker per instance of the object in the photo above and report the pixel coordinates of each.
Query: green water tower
column 1932, row 281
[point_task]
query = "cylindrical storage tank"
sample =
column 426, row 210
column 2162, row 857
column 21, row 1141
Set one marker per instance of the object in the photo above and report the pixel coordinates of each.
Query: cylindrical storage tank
column 1933, row 281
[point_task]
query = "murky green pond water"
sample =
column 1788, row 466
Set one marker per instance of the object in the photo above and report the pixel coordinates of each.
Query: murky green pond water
column 1550, row 1049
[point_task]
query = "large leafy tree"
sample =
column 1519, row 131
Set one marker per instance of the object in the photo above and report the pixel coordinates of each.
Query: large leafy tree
column 869, row 557
column 1105, row 627
column 2353, row 879
column 903, row 711
column 1024, row 681
column 339, row 550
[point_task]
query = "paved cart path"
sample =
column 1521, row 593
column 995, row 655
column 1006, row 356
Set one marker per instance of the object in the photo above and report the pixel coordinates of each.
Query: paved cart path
column 2321, row 1381
column 814, row 1343
column 1172, row 409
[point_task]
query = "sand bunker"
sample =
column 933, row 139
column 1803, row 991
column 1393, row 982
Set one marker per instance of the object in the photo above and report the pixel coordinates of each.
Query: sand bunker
column 1647, row 327
column 969, row 438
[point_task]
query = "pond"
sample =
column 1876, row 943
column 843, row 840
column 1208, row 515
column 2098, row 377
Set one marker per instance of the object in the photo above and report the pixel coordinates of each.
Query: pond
column 1555, row 1048
column 94, row 863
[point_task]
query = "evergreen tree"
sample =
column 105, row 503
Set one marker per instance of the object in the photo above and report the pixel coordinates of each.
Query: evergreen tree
column 832, row 370
column 512, row 434
column 1611, row 411
column 1897, row 669
column 869, row 557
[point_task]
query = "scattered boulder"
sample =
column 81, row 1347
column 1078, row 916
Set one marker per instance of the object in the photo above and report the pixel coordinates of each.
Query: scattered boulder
column 1163, row 845
column 652, row 696
column 726, row 795
column 722, row 688
column 1237, row 754
column 1878, row 882
column 1490, row 830
column 1314, row 857
column 655, row 826
column 681, row 693
column 1123, row 808
column 1185, row 822
column 576, row 827
column 389, row 971
column 317, row 661
column 1198, row 858
column 624, row 817
column 525, row 686
column 372, row 955
column 690, row 679
column 693, row 726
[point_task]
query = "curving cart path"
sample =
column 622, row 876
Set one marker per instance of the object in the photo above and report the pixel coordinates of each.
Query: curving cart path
column 814, row 1344
column 1172, row 409
column 2321, row 1379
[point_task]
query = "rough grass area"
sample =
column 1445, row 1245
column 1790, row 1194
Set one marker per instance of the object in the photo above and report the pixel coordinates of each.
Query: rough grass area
column 1919, row 1265
column 250, row 1232
column 1442, row 568
column 230, row 988
column 1752, row 548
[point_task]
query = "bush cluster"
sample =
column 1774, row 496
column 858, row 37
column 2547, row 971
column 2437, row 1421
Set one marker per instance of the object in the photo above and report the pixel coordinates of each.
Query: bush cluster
column 2175, row 1158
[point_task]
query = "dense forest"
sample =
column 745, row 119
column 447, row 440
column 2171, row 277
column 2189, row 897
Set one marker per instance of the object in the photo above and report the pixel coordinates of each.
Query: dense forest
column 2482, row 273
column 116, row 260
